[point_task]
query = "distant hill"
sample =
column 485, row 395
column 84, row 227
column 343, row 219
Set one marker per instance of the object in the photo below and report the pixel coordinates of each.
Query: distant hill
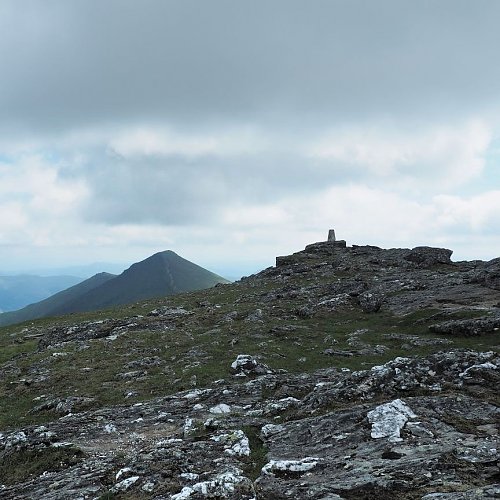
column 164, row 273
column 21, row 290
column 51, row 305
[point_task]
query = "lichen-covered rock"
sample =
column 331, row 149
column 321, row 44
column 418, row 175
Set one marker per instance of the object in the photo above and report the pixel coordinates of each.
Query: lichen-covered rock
column 370, row 302
column 388, row 419
column 183, row 427
column 229, row 484
column 290, row 467
column 483, row 493
column 246, row 365
column 468, row 327
column 236, row 443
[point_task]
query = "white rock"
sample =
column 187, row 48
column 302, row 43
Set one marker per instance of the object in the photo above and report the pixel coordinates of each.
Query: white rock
column 189, row 476
column 109, row 428
column 242, row 360
column 192, row 427
column 148, row 487
column 120, row 473
column 388, row 419
column 167, row 442
column 304, row 465
column 16, row 438
column 221, row 486
column 193, row 394
column 487, row 366
column 220, row 409
column 125, row 484
column 271, row 430
column 235, row 444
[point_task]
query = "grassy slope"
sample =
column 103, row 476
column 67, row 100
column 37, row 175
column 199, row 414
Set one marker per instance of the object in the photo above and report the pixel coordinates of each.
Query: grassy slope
column 201, row 344
column 164, row 273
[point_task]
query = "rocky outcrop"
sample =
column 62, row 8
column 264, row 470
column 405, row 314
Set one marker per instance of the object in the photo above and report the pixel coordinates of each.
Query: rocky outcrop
column 468, row 327
column 342, row 373
column 428, row 256
column 409, row 428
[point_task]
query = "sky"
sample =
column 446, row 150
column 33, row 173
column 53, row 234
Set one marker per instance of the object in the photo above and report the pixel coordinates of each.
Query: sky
column 233, row 131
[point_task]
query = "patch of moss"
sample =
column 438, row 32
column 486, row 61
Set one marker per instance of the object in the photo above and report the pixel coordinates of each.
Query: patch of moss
column 18, row 466
column 258, row 453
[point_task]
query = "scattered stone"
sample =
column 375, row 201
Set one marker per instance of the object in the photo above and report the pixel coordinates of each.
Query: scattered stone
column 124, row 485
column 247, row 365
column 357, row 429
column 388, row 419
column 229, row 484
column 220, row 409
column 291, row 467
column 370, row 302
column 235, row 444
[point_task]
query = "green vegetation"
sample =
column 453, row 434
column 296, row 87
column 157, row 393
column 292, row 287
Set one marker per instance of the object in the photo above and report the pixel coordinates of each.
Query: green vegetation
column 179, row 352
column 18, row 466
column 258, row 453
column 164, row 273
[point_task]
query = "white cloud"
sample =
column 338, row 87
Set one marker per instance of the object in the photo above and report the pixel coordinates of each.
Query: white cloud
column 255, row 215
column 479, row 213
column 452, row 154
column 165, row 141
column 37, row 206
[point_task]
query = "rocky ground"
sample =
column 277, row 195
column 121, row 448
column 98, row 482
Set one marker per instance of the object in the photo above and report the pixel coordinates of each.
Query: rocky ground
column 343, row 372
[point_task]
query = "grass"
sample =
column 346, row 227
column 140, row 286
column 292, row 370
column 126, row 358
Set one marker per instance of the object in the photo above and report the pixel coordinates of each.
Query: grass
column 201, row 346
column 258, row 453
column 19, row 466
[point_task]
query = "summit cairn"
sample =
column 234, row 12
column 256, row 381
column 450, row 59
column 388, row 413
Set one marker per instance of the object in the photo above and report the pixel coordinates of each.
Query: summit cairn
column 333, row 241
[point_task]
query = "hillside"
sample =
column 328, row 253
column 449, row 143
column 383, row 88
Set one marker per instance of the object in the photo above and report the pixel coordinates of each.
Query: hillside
column 164, row 273
column 21, row 290
column 344, row 372
column 53, row 304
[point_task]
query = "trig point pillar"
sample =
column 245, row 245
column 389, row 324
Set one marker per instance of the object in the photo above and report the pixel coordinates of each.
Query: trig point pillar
column 331, row 235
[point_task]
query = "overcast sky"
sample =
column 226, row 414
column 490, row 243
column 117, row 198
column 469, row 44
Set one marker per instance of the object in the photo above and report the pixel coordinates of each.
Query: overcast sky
column 232, row 131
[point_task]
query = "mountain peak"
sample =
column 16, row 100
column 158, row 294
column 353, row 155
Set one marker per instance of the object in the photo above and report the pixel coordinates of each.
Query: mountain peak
column 164, row 273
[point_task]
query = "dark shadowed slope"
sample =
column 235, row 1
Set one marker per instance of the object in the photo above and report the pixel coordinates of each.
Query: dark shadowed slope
column 51, row 305
column 164, row 273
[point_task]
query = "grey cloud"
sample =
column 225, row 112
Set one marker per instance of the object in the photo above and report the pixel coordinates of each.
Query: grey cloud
column 176, row 191
column 74, row 64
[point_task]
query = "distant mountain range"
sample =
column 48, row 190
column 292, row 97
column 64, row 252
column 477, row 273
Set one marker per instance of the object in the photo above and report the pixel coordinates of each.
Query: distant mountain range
column 18, row 291
column 164, row 273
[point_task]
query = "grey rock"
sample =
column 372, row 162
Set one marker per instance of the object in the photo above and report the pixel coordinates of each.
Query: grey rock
column 248, row 365
column 468, row 327
column 429, row 256
column 370, row 302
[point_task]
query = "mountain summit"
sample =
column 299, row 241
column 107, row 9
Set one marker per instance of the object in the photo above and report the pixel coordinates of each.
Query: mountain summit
column 164, row 273
column 344, row 372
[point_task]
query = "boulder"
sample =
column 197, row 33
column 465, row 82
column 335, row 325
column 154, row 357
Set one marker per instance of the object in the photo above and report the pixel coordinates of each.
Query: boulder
column 429, row 256
column 246, row 365
column 467, row 327
column 370, row 302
